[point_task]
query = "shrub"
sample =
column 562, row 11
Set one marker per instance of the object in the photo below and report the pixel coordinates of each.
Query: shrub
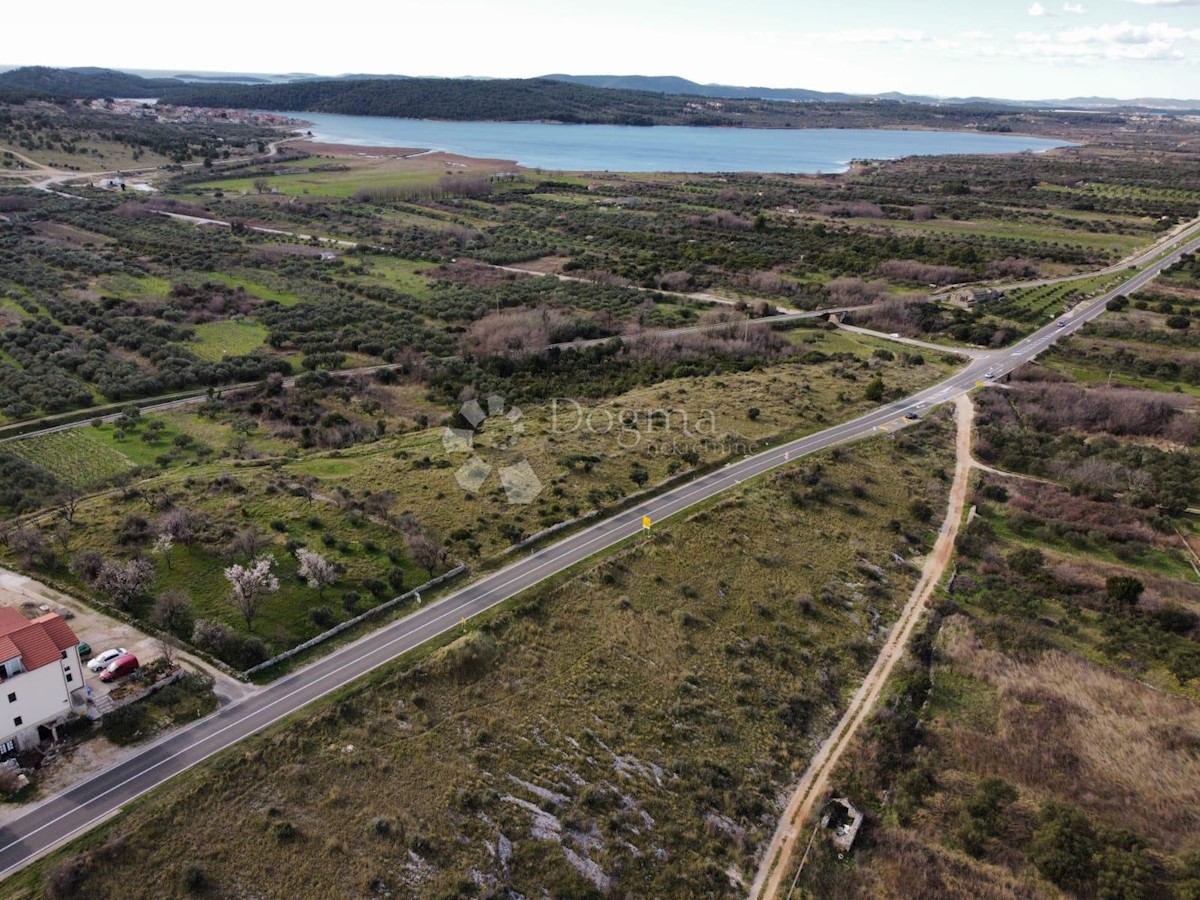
column 1123, row 590
column 1026, row 561
column 321, row 616
column 1064, row 845
column 125, row 724
column 241, row 651
column 469, row 656
column 920, row 510
column 193, row 879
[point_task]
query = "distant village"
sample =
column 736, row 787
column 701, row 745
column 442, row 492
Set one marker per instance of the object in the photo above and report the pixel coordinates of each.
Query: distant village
column 188, row 115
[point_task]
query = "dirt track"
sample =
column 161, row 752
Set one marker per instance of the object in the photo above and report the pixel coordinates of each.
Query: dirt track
column 778, row 861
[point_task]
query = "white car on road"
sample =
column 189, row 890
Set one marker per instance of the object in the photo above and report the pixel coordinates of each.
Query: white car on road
column 100, row 660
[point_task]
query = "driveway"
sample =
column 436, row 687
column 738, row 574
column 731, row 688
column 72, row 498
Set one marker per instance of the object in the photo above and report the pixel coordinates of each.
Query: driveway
column 103, row 631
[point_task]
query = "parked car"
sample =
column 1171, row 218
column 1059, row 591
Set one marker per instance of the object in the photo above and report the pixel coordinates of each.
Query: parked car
column 85, row 649
column 119, row 667
column 99, row 662
column 912, row 415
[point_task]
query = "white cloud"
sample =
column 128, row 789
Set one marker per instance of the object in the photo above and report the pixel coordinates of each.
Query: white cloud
column 1073, row 8
column 873, row 36
column 1037, row 10
column 1123, row 41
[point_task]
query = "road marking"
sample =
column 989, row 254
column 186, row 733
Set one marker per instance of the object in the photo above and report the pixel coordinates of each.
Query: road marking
column 707, row 486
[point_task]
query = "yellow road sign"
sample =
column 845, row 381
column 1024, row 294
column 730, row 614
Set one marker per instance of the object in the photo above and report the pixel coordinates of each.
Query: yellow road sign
column 645, row 521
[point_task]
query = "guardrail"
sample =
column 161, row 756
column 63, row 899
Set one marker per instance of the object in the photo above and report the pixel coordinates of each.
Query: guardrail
column 350, row 623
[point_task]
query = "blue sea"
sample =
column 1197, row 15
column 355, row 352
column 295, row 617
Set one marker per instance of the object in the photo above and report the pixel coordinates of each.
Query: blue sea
column 662, row 148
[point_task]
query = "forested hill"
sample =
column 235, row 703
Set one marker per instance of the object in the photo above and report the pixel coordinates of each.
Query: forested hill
column 535, row 99
column 445, row 98
column 87, row 83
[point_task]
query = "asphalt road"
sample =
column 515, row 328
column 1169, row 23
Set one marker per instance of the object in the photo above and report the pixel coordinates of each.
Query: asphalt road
column 77, row 809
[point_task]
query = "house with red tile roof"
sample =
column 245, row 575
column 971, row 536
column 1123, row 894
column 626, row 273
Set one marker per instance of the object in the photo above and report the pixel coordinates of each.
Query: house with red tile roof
column 41, row 679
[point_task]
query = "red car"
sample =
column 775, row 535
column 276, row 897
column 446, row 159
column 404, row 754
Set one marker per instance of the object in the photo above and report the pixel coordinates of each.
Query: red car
column 119, row 667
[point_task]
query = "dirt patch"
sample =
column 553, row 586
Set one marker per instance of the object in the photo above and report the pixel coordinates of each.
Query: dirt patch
column 319, row 148
column 69, row 234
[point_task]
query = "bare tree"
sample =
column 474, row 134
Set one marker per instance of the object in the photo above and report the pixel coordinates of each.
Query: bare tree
column 380, row 504
column 62, row 534
column 123, row 581
column 28, row 543
column 342, row 497
column 68, row 503
column 167, row 646
column 250, row 585
column 124, row 481
column 316, row 570
column 173, row 612
column 249, row 542
column 426, row 552
column 307, row 485
column 178, row 524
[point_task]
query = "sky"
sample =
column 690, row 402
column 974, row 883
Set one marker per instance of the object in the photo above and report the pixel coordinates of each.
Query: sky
column 1017, row 49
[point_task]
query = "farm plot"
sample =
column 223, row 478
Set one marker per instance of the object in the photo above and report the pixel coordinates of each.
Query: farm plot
column 75, row 456
column 1037, row 304
column 217, row 340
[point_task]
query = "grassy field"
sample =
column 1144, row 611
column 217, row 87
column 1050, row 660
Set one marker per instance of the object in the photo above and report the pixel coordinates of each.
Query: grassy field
column 401, row 274
column 133, row 287
column 93, row 156
column 1117, row 245
column 257, row 285
column 622, row 731
column 216, row 340
column 355, row 173
column 78, row 456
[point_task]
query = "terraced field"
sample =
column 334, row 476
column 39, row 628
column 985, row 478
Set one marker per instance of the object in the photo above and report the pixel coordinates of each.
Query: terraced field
column 76, row 456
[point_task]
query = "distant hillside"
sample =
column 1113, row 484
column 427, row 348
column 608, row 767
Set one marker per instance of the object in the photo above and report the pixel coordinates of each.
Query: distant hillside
column 538, row 99
column 443, row 98
column 86, row 82
column 671, row 84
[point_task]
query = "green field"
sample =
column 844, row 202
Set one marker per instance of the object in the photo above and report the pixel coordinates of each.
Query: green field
column 1037, row 305
column 401, row 274
column 255, row 287
column 133, row 287
column 328, row 184
column 77, row 455
column 1039, row 232
column 216, row 340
